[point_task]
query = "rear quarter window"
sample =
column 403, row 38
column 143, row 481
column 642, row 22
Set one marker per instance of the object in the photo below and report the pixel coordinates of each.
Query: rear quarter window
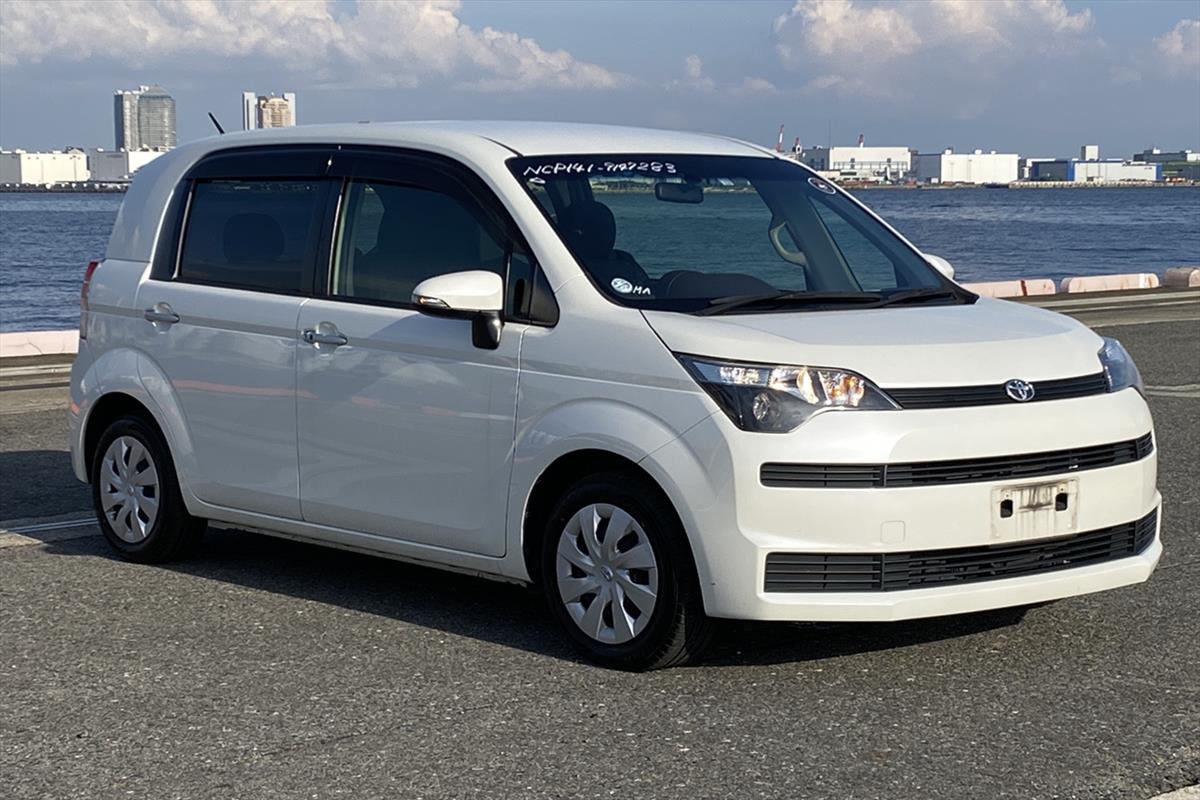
column 252, row 234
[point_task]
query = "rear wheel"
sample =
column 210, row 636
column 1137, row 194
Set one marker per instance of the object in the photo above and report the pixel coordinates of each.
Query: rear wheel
column 619, row 576
column 136, row 495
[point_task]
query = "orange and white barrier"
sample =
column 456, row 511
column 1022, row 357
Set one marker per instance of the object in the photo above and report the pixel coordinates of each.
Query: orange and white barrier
column 1109, row 283
column 1182, row 277
column 1018, row 288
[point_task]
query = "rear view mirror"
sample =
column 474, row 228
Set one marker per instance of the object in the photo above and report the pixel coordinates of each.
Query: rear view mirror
column 679, row 192
column 477, row 295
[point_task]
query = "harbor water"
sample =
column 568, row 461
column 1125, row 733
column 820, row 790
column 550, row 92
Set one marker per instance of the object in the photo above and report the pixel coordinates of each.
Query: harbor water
column 46, row 239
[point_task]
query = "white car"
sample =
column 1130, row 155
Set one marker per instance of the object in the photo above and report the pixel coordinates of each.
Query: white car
column 667, row 377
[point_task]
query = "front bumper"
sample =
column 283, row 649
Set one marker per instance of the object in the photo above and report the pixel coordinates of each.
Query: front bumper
column 734, row 522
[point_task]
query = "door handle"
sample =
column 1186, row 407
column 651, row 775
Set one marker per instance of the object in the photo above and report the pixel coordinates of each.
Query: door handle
column 314, row 336
column 160, row 312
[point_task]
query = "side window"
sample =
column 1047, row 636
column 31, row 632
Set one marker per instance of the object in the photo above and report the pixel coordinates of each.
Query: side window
column 253, row 234
column 873, row 268
column 394, row 236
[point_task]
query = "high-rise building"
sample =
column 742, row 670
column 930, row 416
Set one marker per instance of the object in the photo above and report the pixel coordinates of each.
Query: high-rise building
column 144, row 118
column 268, row 111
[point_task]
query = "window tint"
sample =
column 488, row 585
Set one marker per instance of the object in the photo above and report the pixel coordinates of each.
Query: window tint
column 252, row 234
column 393, row 237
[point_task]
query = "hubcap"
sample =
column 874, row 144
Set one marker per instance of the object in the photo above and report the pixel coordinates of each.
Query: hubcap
column 129, row 494
column 607, row 573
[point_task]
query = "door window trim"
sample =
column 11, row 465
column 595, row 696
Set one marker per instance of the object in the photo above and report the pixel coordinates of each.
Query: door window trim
column 288, row 162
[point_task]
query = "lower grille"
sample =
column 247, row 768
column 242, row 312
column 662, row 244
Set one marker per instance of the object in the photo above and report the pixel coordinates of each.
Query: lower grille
column 965, row 470
column 887, row 572
column 994, row 394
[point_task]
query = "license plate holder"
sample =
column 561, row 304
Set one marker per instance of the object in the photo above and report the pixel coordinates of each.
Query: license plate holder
column 1034, row 510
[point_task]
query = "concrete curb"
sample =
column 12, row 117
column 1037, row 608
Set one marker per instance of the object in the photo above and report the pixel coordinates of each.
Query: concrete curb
column 38, row 343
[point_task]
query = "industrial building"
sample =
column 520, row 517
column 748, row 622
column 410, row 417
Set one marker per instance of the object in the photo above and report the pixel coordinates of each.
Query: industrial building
column 860, row 163
column 977, row 167
column 143, row 118
column 43, row 169
column 1156, row 156
column 268, row 111
column 116, row 166
column 1077, row 171
column 1090, row 168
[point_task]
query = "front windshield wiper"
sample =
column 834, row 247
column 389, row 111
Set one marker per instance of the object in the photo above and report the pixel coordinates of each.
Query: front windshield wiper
column 920, row 295
column 720, row 305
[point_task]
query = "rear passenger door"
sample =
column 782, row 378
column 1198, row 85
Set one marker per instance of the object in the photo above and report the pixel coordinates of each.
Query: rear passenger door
column 405, row 427
column 236, row 260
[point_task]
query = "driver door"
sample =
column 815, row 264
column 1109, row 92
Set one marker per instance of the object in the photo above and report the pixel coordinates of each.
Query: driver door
column 405, row 427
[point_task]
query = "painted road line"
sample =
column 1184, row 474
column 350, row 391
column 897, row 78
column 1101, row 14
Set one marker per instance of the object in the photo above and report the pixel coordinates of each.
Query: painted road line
column 1186, row 793
column 1182, row 390
column 22, row 533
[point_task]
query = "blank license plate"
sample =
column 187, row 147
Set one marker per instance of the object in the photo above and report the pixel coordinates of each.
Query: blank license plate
column 1035, row 510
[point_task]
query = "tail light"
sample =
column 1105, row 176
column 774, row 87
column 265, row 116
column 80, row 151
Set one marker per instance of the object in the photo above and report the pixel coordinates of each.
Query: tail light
column 83, row 298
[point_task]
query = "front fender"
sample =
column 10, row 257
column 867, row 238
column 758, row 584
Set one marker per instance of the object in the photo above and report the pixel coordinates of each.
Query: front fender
column 587, row 424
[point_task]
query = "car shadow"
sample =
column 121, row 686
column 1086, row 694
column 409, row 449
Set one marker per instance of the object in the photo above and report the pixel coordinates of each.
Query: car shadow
column 37, row 483
column 507, row 614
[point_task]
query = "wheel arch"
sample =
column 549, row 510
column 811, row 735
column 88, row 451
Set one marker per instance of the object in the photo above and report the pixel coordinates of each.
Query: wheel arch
column 104, row 411
column 567, row 470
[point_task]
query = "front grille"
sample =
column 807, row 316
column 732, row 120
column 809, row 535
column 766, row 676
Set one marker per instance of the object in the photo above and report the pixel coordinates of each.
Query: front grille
column 888, row 572
column 994, row 394
column 966, row 470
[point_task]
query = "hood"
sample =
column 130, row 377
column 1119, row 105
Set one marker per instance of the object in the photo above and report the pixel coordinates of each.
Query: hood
column 990, row 341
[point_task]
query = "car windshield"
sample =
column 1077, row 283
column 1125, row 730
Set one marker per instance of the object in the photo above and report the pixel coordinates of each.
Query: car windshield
column 724, row 234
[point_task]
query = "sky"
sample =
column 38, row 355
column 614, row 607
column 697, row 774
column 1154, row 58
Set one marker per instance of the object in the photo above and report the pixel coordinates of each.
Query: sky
column 1037, row 77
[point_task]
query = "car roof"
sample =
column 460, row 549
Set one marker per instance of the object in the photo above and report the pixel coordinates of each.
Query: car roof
column 523, row 138
column 477, row 144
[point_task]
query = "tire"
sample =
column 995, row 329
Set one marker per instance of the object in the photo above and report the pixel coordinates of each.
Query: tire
column 138, row 505
column 617, row 575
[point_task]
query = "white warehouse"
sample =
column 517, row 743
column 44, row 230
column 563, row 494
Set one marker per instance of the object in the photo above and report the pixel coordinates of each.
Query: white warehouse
column 119, row 165
column 43, row 169
column 861, row 162
column 977, row 167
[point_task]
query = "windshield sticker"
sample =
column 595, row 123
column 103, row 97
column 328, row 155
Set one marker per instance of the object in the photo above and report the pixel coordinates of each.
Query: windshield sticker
column 622, row 286
column 556, row 168
column 821, row 186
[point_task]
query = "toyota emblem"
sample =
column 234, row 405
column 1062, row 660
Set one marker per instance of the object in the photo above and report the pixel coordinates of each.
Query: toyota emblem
column 1019, row 390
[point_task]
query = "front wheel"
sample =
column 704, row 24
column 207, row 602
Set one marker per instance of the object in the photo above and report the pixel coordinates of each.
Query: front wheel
column 619, row 576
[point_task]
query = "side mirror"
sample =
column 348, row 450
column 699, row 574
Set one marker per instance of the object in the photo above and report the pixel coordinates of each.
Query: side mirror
column 941, row 265
column 477, row 295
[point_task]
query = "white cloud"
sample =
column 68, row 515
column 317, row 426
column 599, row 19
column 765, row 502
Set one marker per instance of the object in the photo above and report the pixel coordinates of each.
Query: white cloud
column 839, row 29
column 695, row 80
column 1180, row 48
column 877, row 49
column 377, row 43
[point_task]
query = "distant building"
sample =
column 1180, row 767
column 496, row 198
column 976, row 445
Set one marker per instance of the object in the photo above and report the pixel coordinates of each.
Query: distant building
column 1025, row 166
column 1111, row 171
column 118, row 165
column 143, row 118
column 1090, row 169
column 1156, row 156
column 977, row 167
column 268, row 111
column 859, row 163
column 43, row 169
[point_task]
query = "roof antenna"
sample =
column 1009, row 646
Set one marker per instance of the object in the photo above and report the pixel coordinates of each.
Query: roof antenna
column 216, row 124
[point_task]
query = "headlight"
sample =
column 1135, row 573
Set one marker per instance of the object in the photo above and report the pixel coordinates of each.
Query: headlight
column 1119, row 370
column 776, row 399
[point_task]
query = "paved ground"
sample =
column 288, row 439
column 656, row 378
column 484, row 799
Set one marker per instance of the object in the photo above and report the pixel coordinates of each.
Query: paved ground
column 266, row 668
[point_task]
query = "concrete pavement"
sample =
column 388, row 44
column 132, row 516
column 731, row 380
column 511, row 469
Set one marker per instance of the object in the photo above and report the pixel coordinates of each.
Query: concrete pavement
column 265, row 668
